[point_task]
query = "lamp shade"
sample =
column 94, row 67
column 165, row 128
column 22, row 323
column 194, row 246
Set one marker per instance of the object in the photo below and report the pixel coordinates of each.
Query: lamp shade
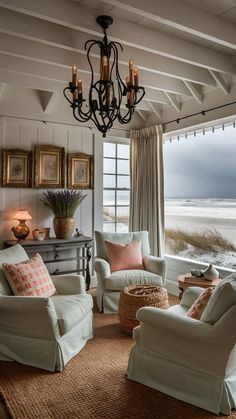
column 22, row 214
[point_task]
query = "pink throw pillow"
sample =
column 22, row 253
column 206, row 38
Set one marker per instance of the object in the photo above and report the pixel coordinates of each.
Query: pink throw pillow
column 198, row 306
column 124, row 256
column 29, row 278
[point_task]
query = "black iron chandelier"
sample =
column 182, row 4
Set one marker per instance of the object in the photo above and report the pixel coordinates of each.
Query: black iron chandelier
column 105, row 95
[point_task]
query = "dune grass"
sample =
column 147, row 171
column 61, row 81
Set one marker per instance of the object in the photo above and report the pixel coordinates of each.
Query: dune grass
column 210, row 240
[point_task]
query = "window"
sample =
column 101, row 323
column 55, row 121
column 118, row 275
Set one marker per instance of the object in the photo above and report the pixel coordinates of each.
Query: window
column 116, row 186
column 200, row 196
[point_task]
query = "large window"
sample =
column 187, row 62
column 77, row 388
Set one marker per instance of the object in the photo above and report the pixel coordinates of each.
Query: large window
column 116, row 186
column 200, row 192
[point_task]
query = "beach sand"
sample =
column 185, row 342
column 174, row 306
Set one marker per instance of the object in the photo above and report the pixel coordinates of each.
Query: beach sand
column 227, row 227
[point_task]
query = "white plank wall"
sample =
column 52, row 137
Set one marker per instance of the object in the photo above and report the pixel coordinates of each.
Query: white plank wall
column 25, row 134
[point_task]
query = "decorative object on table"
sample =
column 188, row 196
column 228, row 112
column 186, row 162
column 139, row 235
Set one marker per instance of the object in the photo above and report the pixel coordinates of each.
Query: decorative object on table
column 63, row 204
column 211, row 273
column 46, row 231
column 79, row 171
column 38, row 234
column 78, row 233
column 49, row 166
column 105, row 93
column 136, row 296
column 22, row 230
column 16, row 168
column 197, row 273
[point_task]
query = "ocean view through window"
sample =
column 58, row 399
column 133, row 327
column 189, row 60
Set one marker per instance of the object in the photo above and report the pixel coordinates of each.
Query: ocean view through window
column 116, row 186
column 200, row 197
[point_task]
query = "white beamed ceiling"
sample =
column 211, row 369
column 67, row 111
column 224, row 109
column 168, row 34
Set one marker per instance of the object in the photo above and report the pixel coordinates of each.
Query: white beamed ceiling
column 185, row 50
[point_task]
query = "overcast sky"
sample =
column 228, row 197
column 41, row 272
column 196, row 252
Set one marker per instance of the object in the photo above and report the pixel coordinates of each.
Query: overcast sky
column 202, row 166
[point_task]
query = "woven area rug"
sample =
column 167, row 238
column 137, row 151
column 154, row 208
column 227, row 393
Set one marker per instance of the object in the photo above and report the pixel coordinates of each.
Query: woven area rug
column 93, row 385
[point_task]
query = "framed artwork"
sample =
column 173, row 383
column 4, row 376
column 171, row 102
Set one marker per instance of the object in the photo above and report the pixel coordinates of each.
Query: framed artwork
column 79, row 171
column 49, row 163
column 16, row 168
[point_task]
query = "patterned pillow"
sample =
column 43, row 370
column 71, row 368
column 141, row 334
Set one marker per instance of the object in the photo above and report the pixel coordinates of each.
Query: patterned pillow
column 124, row 256
column 29, row 278
column 198, row 306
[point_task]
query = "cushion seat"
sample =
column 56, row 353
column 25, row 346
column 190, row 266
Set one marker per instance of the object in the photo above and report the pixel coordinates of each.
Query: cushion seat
column 71, row 309
column 120, row 279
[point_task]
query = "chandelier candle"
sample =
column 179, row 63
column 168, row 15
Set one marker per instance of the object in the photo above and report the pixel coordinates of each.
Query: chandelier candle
column 109, row 98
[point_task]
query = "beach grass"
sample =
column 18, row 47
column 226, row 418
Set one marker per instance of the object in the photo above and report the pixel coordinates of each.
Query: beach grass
column 211, row 240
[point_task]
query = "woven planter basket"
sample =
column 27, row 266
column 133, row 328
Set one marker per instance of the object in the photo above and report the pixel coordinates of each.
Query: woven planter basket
column 134, row 297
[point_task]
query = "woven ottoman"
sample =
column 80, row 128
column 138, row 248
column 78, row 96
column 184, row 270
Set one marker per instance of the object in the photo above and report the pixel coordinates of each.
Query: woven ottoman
column 134, row 297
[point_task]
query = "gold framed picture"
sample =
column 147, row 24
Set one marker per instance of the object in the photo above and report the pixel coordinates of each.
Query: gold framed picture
column 16, row 168
column 49, row 164
column 79, row 171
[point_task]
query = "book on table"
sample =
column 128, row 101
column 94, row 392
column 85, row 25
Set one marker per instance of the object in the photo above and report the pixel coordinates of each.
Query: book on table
column 200, row 281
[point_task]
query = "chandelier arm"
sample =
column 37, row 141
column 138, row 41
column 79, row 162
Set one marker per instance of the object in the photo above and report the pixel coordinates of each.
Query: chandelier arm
column 139, row 100
column 65, row 95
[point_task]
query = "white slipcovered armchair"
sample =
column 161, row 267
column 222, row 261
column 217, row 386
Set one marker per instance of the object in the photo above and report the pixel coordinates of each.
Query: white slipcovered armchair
column 43, row 332
column 110, row 283
column 191, row 360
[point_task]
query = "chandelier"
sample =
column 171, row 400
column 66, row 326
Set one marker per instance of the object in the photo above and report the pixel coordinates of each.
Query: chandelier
column 107, row 93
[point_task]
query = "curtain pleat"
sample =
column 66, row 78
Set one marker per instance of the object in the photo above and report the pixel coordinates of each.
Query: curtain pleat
column 147, row 186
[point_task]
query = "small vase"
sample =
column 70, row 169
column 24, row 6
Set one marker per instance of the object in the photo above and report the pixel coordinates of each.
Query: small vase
column 211, row 273
column 63, row 227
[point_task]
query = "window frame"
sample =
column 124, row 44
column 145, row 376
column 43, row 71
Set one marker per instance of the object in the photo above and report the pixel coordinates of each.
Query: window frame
column 116, row 189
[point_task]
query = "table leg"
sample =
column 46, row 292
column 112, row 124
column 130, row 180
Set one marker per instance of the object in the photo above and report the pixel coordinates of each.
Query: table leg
column 88, row 277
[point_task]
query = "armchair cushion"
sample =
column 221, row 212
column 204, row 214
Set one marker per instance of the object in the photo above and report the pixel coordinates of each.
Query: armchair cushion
column 223, row 298
column 13, row 254
column 198, row 306
column 71, row 310
column 121, row 238
column 29, row 278
column 120, row 279
column 124, row 256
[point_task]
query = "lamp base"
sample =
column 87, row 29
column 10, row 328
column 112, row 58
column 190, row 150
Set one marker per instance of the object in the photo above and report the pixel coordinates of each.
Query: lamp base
column 21, row 231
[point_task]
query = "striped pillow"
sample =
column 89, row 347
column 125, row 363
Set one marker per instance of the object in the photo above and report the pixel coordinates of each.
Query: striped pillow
column 29, row 278
column 198, row 306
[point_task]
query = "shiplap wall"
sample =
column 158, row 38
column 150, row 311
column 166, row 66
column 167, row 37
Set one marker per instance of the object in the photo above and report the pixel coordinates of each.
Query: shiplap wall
column 25, row 134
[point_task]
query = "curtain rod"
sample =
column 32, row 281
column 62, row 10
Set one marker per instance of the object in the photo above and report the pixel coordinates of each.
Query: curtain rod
column 203, row 112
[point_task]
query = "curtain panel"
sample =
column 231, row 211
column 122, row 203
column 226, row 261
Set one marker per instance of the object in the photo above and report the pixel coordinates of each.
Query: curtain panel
column 147, row 186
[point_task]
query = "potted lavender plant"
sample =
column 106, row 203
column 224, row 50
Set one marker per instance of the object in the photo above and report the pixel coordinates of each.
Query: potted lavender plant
column 63, row 204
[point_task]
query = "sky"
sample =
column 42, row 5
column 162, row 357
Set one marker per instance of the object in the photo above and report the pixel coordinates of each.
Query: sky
column 201, row 166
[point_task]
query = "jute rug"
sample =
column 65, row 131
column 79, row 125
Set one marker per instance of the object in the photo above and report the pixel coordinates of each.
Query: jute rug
column 93, row 385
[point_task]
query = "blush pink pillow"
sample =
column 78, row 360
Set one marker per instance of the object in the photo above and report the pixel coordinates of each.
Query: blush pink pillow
column 198, row 306
column 124, row 256
column 29, row 278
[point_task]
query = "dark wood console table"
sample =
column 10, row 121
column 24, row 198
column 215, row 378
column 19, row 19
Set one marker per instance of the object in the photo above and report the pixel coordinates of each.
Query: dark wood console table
column 54, row 251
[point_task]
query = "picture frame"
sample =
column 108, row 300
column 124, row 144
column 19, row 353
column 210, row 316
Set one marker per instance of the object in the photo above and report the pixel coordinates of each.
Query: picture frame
column 16, row 168
column 80, row 168
column 49, row 164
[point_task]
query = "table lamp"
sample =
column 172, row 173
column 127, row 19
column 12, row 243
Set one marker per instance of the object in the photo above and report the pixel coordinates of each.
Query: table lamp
column 22, row 230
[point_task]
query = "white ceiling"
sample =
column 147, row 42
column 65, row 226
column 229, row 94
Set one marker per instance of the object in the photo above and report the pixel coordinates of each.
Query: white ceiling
column 185, row 50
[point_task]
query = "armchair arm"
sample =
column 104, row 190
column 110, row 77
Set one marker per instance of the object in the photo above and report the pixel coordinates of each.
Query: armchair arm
column 102, row 267
column 69, row 284
column 184, row 340
column 28, row 316
column 190, row 295
column 155, row 265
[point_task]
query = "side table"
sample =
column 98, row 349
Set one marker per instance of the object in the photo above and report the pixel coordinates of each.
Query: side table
column 55, row 251
column 187, row 280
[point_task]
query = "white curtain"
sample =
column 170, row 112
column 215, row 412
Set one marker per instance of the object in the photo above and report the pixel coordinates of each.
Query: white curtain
column 147, row 186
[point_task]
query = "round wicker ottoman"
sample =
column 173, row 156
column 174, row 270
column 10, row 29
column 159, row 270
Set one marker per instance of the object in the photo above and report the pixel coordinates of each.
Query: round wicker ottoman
column 136, row 296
